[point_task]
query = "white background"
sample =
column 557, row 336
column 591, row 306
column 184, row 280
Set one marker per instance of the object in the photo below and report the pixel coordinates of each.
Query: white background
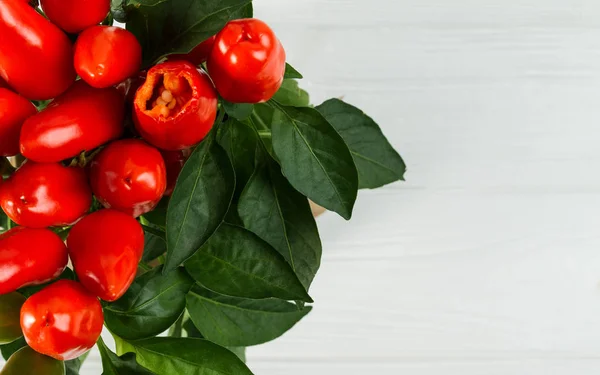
column 487, row 261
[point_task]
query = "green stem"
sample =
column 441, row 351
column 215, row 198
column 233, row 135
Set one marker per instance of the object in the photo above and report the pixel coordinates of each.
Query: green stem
column 154, row 231
column 258, row 121
column 144, row 266
column 265, row 134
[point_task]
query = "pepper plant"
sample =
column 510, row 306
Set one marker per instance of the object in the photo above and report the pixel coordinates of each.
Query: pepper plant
column 175, row 174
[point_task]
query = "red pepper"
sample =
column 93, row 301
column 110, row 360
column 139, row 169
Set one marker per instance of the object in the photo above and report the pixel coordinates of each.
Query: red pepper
column 247, row 63
column 30, row 257
column 40, row 195
column 176, row 107
column 81, row 119
column 130, row 176
column 14, row 110
column 105, row 248
column 62, row 321
column 74, row 16
column 198, row 55
column 96, row 52
column 36, row 57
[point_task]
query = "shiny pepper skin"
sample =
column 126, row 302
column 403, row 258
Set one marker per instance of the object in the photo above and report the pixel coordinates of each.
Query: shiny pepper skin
column 36, row 57
column 105, row 248
column 14, row 110
column 247, row 63
column 130, row 176
column 176, row 107
column 74, row 16
column 40, row 195
column 30, row 257
column 198, row 55
column 81, row 119
column 62, row 321
column 95, row 52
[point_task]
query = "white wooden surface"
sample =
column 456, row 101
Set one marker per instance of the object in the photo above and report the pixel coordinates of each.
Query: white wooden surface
column 487, row 261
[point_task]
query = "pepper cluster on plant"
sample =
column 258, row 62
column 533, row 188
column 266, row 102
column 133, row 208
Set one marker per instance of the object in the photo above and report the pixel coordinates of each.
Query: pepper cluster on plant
column 156, row 178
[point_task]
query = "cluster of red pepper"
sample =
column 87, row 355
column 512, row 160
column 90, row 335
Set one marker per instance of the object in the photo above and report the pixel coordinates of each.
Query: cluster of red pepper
column 174, row 105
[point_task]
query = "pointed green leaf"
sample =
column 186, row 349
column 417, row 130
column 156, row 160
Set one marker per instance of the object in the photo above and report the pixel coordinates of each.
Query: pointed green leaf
column 291, row 94
column 237, row 263
column 240, row 142
column 115, row 365
column 177, row 26
column 377, row 162
column 200, row 201
column 151, row 305
column 315, row 159
column 272, row 209
column 290, row 72
column 231, row 321
column 239, row 111
column 188, row 356
column 10, row 349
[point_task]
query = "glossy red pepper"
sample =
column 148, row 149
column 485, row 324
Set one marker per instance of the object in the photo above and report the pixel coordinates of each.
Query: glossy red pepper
column 198, row 55
column 40, row 195
column 30, row 257
column 95, row 55
column 176, row 107
column 105, row 248
column 62, row 321
column 81, row 119
column 174, row 161
column 36, row 57
column 14, row 110
column 129, row 176
column 74, row 16
column 247, row 63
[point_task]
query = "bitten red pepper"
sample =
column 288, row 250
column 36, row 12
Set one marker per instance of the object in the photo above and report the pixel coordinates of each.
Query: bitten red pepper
column 95, row 55
column 30, row 257
column 40, row 195
column 62, row 321
column 176, row 107
column 198, row 55
column 247, row 63
column 129, row 176
column 81, row 119
column 74, row 16
column 105, row 248
column 14, row 110
column 174, row 161
column 36, row 57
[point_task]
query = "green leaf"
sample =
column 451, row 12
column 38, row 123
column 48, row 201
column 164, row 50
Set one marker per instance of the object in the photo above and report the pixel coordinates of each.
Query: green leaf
column 377, row 162
column 154, row 246
column 164, row 27
column 189, row 356
column 291, row 94
column 239, row 111
column 273, row 210
column 28, row 291
column 240, row 142
column 237, row 263
column 158, row 216
column 73, row 366
column 10, row 312
column 315, row 159
column 230, row 321
column 9, row 349
column 290, row 72
column 115, row 365
column 151, row 305
column 28, row 361
column 200, row 201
